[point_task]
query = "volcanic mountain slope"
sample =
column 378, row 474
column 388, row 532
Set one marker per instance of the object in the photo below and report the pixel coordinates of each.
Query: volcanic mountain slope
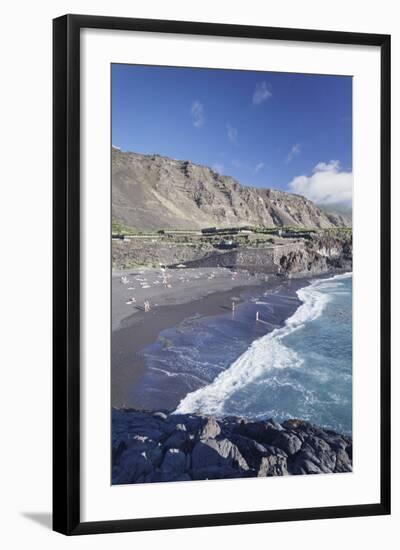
column 151, row 192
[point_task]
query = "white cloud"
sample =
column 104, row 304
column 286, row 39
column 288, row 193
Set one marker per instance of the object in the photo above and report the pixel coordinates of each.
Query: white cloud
column 294, row 151
column 218, row 167
column 327, row 166
column 259, row 167
column 232, row 133
column 261, row 93
column 197, row 113
column 326, row 185
column 237, row 163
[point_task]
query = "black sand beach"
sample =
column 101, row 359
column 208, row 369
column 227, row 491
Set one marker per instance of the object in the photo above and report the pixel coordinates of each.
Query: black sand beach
column 141, row 328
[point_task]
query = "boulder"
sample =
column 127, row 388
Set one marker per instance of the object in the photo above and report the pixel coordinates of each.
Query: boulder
column 174, row 462
column 192, row 423
column 262, row 432
column 321, row 453
column 343, row 462
column 178, row 440
column 161, row 415
column 159, row 446
column 212, row 452
column 296, row 424
column 251, row 451
column 211, row 429
column 132, row 466
column 288, row 442
column 273, row 465
column 306, row 461
column 155, row 454
column 304, row 466
column 336, row 442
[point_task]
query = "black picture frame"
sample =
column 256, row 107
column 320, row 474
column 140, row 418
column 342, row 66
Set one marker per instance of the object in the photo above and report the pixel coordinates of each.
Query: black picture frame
column 66, row 273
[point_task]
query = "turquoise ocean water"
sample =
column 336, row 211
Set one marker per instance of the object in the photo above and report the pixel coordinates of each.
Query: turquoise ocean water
column 300, row 367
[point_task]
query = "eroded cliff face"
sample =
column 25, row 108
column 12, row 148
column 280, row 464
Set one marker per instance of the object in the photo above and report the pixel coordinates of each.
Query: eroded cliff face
column 151, row 192
column 160, row 446
column 321, row 254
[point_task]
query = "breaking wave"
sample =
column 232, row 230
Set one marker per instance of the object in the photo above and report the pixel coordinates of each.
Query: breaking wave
column 265, row 353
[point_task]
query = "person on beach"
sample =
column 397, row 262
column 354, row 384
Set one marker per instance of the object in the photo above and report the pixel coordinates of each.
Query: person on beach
column 146, row 306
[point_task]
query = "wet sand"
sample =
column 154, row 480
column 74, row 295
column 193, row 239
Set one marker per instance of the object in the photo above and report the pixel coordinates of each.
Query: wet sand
column 169, row 288
column 142, row 329
column 202, row 292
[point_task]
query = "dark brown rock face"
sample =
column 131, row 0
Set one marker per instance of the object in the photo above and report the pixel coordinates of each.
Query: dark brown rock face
column 150, row 192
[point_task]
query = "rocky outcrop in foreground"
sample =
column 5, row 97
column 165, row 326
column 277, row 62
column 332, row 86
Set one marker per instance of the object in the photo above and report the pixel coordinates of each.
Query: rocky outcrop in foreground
column 158, row 446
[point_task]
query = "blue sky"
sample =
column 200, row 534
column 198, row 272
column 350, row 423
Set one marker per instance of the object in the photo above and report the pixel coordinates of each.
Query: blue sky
column 281, row 130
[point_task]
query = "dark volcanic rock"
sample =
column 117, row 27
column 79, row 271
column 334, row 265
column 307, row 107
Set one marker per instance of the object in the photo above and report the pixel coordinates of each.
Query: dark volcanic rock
column 251, row 450
column 133, row 467
column 288, row 442
column 154, row 192
column 273, row 465
column 212, row 452
column 210, row 429
column 174, row 462
column 263, row 432
column 343, row 461
column 155, row 447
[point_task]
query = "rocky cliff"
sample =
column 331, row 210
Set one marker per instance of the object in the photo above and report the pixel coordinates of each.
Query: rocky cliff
column 324, row 252
column 159, row 446
column 321, row 253
column 151, row 192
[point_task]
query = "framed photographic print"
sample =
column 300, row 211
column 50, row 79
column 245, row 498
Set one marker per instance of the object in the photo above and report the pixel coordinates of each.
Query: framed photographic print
column 221, row 274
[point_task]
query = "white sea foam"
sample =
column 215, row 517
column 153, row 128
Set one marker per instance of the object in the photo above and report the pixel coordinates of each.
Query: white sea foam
column 264, row 353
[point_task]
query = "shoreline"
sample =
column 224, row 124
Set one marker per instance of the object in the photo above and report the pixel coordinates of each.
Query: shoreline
column 170, row 287
column 142, row 329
